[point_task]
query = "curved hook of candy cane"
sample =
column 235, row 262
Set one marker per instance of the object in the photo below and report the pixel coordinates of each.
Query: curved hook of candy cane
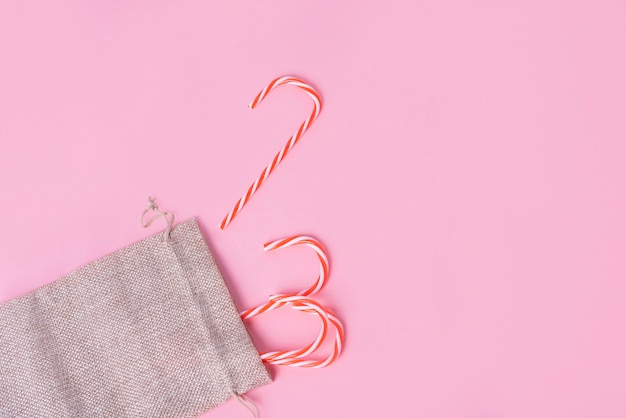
column 316, row 246
column 298, row 303
column 296, row 358
column 317, row 107
column 319, row 282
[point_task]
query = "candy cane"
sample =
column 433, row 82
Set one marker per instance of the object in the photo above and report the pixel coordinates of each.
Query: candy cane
column 317, row 102
column 320, row 252
column 296, row 358
column 316, row 287
column 301, row 302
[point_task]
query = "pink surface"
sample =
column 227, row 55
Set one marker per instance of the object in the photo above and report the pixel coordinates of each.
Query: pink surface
column 467, row 175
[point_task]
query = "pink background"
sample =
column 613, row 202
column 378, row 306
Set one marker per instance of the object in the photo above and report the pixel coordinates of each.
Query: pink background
column 467, row 175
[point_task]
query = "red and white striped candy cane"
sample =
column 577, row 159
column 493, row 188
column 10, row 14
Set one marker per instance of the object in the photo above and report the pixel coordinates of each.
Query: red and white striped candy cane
column 316, row 287
column 301, row 302
column 316, row 246
column 296, row 358
column 317, row 102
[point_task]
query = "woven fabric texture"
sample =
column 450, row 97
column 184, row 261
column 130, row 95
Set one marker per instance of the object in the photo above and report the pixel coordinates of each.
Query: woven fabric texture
column 148, row 331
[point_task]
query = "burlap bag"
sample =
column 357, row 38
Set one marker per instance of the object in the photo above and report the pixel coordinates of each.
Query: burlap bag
column 148, row 331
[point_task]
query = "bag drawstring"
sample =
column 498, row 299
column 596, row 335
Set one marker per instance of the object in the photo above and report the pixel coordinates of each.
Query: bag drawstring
column 169, row 217
column 246, row 403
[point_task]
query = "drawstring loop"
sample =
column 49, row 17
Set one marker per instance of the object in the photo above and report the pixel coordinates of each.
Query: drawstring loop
column 169, row 217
